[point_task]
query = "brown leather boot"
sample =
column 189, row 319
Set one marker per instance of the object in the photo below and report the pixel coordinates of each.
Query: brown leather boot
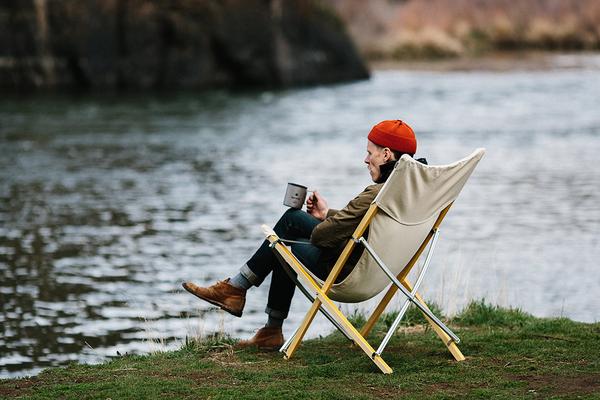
column 267, row 338
column 221, row 294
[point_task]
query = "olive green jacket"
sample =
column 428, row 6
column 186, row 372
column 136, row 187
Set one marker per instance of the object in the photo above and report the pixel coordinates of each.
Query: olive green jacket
column 333, row 233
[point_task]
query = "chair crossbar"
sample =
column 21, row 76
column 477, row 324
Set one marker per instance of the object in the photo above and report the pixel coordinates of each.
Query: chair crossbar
column 412, row 297
column 310, row 297
column 324, row 301
column 327, row 315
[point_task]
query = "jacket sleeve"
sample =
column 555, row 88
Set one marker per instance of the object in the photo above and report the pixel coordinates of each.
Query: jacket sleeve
column 338, row 228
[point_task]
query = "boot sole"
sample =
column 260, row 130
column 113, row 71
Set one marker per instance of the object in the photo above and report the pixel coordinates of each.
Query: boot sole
column 214, row 303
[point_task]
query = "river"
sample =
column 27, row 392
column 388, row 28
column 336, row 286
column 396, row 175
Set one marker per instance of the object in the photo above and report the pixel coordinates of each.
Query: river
column 108, row 203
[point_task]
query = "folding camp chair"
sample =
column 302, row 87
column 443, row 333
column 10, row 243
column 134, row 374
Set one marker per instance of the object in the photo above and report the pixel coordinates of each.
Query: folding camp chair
column 402, row 220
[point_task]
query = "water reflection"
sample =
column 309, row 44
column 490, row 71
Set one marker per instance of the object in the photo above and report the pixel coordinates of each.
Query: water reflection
column 107, row 204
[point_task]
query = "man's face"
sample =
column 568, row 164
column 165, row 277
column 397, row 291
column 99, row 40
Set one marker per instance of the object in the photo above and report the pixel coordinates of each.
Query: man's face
column 375, row 157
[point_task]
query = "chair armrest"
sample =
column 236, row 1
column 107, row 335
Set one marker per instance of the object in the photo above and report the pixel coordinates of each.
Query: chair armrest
column 267, row 231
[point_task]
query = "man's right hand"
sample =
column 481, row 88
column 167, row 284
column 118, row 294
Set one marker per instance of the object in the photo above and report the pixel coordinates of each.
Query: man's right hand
column 317, row 206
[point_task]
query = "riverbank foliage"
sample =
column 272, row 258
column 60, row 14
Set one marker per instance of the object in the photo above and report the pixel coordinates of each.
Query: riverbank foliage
column 509, row 354
column 425, row 29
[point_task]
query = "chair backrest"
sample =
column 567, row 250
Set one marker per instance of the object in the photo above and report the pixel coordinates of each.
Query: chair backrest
column 409, row 204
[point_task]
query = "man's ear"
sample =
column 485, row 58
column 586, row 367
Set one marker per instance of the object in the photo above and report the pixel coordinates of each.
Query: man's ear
column 387, row 154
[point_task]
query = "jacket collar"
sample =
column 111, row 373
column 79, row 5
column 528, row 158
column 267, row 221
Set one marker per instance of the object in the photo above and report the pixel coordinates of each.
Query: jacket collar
column 387, row 168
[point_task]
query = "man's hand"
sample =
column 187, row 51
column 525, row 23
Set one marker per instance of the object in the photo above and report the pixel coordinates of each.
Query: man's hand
column 317, row 206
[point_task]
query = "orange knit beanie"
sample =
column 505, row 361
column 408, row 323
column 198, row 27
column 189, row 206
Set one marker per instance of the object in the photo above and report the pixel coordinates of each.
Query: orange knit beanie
column 396, row 135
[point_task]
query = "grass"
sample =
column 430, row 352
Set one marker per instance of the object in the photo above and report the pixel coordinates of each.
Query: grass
column 510, row 354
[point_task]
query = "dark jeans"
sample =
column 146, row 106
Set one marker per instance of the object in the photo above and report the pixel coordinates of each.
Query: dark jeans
column 295, row 225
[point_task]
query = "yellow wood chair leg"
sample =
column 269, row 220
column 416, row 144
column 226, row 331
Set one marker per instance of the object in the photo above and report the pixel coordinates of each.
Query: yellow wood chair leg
column 310, row 315
column 354, row 334
column 324, row 301
column 368, row 326
column 447, row 340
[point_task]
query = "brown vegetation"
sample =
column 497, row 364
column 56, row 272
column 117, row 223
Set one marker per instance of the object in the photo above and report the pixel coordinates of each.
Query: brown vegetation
column 444, row 28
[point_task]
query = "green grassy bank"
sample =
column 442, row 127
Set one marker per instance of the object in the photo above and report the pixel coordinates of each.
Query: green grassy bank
column 510, row 354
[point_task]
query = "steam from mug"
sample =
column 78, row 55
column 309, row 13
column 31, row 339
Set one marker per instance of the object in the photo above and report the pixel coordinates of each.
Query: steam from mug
column 295, row 195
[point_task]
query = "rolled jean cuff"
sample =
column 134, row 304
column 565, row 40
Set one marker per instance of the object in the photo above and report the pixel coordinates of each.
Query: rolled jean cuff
column 276, row 313
column 250, row 275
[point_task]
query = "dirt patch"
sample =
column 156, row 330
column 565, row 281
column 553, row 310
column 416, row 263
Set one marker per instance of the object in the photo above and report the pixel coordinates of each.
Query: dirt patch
column 20, row 387
column 204, row 379
column 448, row 388
column 385, row 392
column 412, row 329
column 562, row 385
column 15, row 388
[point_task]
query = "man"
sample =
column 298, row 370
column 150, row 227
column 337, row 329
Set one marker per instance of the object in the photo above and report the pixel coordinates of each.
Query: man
column 323, row 233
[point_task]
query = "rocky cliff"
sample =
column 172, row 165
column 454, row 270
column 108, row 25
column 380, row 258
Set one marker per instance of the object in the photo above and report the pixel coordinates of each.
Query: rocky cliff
column 169, row 44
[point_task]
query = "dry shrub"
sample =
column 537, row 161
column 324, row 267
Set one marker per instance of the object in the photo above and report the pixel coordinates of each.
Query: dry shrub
column 503, row 32
column 562, row 34
column 428, row 42
column 415, row 28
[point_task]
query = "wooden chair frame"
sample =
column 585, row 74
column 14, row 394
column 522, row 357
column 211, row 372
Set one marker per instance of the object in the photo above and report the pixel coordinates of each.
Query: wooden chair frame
column 321, row 302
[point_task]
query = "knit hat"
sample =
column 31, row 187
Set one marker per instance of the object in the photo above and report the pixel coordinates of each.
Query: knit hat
column 395, row 134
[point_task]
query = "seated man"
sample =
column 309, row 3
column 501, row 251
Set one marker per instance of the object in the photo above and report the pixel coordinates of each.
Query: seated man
column 324, row 232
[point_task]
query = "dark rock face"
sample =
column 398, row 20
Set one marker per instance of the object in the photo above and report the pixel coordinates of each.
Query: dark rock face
column 167, row 44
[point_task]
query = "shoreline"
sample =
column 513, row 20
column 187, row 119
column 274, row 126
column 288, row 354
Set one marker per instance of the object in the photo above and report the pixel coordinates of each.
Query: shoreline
column 496, row 62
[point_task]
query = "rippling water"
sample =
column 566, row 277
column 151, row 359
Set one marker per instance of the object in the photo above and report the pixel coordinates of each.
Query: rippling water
column 108, row 203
